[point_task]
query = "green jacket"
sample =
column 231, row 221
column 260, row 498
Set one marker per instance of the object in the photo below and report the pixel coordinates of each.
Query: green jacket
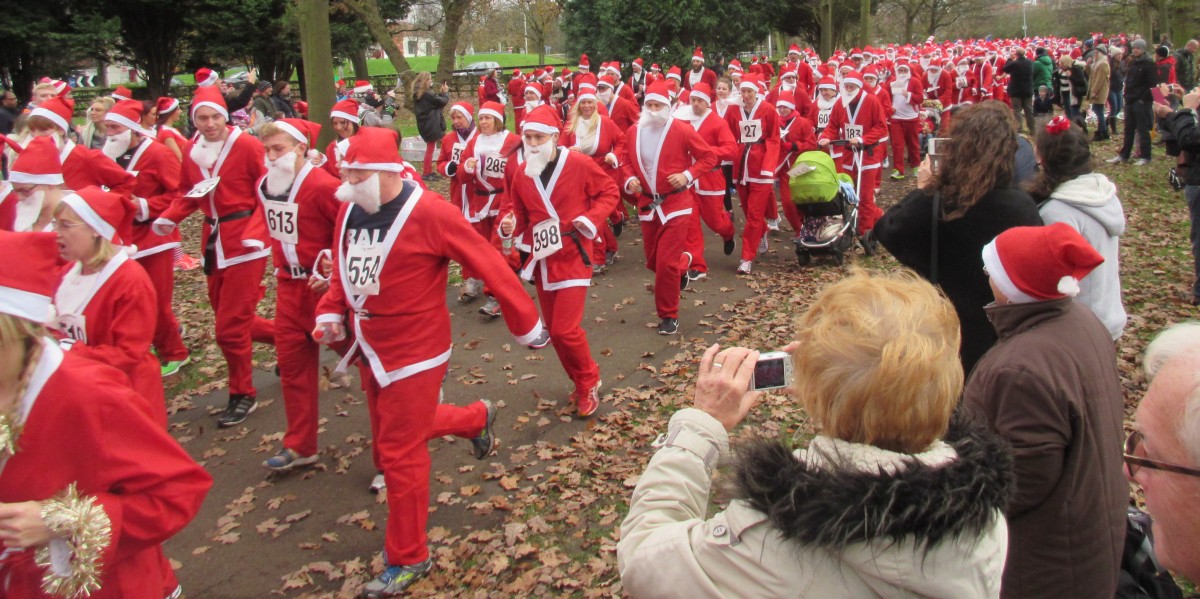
column 1042, row 68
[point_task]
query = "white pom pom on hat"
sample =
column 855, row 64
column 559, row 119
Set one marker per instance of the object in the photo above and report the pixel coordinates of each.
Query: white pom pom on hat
column 1031, row 264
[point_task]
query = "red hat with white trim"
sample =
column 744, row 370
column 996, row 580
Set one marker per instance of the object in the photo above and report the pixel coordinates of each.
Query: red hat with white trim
column 542, row 119
column 28, row 281
column 583, row 62
column 535, row 88
column 786, row 98
column 794, row 49
column 108, row 214
column 698, row 54
column 465, row 108
column 127, row 113
column 638, row 61
column 57, row 111
column 206, row 77
column 658, row 92
column 853, row 78
column 674, row 73
column 346, row 109
column 61, row 87
column 749, row 81
column 305, row 132
column 606, row 81
column 373, row 149
column 871, row 71
column 493, row 109
column 703, row 91
column 1031, row 264
column 734, row 65
column 209, row 97
column 122, row 93
column 167, row 105
column 37, row 164
column 827, row 82
column 362, row 87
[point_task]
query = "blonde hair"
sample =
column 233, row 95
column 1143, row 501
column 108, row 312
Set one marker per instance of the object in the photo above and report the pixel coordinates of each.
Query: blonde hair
column 420, row 84
column 878, row 362
column 103, row 250
column 15, row 330
column 576, row 117
column 107, row 101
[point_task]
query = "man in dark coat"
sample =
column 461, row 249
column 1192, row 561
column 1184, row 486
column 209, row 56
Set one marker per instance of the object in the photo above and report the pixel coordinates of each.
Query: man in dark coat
column 1184, row 142
column 1141, row 78
column 1020, row 87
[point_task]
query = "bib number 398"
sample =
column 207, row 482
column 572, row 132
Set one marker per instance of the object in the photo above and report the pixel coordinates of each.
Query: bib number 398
column 751, row 131
column 281, row 221
column 547, row 239
column 363, row 263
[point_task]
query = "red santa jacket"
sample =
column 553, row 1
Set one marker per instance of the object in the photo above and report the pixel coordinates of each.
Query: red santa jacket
column 941, row 89
column 82, row 167
column 965, row 88
column 984, row 81
column 715, row 132
column 580, row 196
column 449, row 161
column 165, row 132
column 882, row 92
column 484, row 189
column 241, row 229
column 626, row 91
column 796, row 137
column 623, row 112
column 863, row 118
column 301, row 227
column 145, row 483
column 609, row 139
column 111, row 327
column 757, row 131
column 680, row 150
column 911, row 93
column 334, row 153
column 516, row 95
column 405, row 328
column 804, row 104
column 157, row 174
column 706, row 76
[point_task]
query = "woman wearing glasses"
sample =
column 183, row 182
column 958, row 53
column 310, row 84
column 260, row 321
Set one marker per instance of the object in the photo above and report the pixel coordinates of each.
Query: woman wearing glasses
column 105, row 303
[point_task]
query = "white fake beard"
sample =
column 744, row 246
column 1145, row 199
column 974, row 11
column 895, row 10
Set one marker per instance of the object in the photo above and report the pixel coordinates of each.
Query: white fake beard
column 961, row 70
column 848, row 97
column 605, row 97
column 365, row 193
column 903, row 78
column 204, row 153
column 281, row 173
column 788, row 86
column 116, row 145
column 29, row 208
column 536, row 159
column 653, row 120
column 932, row 76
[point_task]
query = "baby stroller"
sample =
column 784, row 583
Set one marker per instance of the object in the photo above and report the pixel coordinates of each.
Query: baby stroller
column 830, row 205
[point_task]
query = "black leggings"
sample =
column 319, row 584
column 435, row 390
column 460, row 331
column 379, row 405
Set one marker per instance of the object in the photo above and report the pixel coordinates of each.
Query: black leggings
column 728, row 170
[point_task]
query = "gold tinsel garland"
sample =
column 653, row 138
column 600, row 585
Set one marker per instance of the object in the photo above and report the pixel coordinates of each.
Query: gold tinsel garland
column 82, row 522
column 10, row 429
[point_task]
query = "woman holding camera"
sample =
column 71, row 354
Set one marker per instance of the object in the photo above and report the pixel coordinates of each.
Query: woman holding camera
column 893, row 497
column 940, row 228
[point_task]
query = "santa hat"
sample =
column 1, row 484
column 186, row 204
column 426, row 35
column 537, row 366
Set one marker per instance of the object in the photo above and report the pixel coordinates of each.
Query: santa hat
column 749, row 81
column 698, row 54
column 346, row 109
column 674, row 73
column 362, row 87
column 585, row 86
column 28, row 282
column 1030, row 264
column 167, row 105
column 205, row 77
column 107, row 213
column 655, row 67
column 638, row 61
column 827, row 82
column 607, row 81
column 703, row 91
column 57, row 111
column 786, row 98
column 60, row 87
column 658, row 92
column 856, row 53
column 305, row 132
column 373, row 149
column 535, row 88
column 127, row 113
column 871, row 71
column 516, row 72
column 37, row 164
column 494, row 109
column 465, row 109
column 210, row 97
column 122, row 93
column 789, row 72
column 301, row 108
column 794, row 49
column 734, row 65
column 542, row 119
column 583, row 62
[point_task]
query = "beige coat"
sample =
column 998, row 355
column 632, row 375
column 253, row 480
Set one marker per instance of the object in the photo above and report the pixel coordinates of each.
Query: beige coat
column 669, row 546
column 1098, row 80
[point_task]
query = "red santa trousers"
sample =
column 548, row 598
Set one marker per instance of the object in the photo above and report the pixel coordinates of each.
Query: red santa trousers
column 233, row 293
column 904, row 135
column 604, row 242
column 710, row 209
column 160, row 267
column 665, row 245
column 868, row 212
column 755, row 198
column 790, row 211
column 404, row 416
column 562, row 313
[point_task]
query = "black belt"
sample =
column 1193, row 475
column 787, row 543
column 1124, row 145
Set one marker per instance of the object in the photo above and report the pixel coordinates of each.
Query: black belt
column 574, row 235
column 231, row 216
column 210, row 248
column 481, row 192
column 298, row 272
column 658, row 199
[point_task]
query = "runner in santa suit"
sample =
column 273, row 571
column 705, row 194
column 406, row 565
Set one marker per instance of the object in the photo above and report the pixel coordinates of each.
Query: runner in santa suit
column 907, row 94
column 802, row 96
column 595, row 135
column 871, row 85
column 164, row 129
column 300, row 208
column 796, row 137
column 757, row 130
column 965, row 84
column 804, row 71
column 234, row 240
column 826, row 99
column 484, row 160
column 698, row 72
column 393, row 243
column 346, row 122
column 157, row 173
column 103, row 501
column 462, row 130
column 984, row 78
column 562, row 198
column 939, row 85
column 637, row 79
column 724, row 100
column 622, row 90
column 81, row 166
column 663, row 157
column 859, row 118
column 516, row 95
column 711, row 187
column 34, row 187
column 623, row 112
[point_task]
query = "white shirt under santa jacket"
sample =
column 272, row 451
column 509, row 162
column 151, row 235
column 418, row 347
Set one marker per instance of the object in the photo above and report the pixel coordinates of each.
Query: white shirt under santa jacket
column 653, row 155
column 242, row 230
column 391, row 270
column 864, row 118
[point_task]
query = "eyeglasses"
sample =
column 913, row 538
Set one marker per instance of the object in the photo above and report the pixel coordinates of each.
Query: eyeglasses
column 1134, row 462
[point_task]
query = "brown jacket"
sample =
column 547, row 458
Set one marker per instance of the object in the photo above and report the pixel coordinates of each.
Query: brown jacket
column 1098, row 80
column 1050, row 386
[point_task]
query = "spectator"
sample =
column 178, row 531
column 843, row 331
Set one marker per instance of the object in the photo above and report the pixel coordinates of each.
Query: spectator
column 1097, row 89
column 978, row 203
column 1185, row 65
column 431, row 124
column 1069, row 192
column 1043, row 67
column 894, row 497
column 1140, row 78
column 1164, row 65
column 1118, row 65
column 1020, row 87
column 1072, row 87
column 9, row 112
column 1050, row 386
column 1162, row 454
column 282, row 99
column 491, row 89
column 263, row 108
column 1043, row 104
column 1186, row 132
column 91, row 134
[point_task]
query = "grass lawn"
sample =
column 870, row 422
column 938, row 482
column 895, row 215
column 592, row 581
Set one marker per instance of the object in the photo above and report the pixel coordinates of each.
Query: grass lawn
column 382, row 66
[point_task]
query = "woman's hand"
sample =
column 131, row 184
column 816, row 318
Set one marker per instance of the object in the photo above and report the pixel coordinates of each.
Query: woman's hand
column 445, row 87
column 722, row 391
column 925, row 173
column 21, row 525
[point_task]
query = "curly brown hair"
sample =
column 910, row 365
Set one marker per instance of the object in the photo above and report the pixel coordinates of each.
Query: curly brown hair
column 1064, row 156
column 982, row 146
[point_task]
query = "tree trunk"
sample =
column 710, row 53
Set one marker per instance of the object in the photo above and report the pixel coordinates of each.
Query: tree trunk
column 368, row 11
column 908, row 27
column 454, row 12
column 827, row 29
column 359, row 60
column 101, row 74
column 317, row 56
column 1145, row 21
column 864, row 23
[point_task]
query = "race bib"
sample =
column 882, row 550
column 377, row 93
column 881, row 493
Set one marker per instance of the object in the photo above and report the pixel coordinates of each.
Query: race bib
column 823, row 119
column 203, row 188
column 363, row 263
column 73, row 326
column 547, row 239
column 456, row 152
column 751, row 131
column 493, row 166
column 853, row 131
column 282, row 218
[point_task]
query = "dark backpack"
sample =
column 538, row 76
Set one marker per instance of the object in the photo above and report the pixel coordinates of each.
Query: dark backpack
column 1142, row 577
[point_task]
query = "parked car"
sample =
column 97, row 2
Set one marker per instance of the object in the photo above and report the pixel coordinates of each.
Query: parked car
column 479, row 68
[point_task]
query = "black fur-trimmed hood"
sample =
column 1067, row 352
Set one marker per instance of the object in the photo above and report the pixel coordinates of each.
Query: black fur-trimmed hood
column 837, row 508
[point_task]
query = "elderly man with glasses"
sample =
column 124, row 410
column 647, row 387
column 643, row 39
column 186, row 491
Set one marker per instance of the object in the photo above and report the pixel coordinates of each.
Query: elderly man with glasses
column 1162, row 454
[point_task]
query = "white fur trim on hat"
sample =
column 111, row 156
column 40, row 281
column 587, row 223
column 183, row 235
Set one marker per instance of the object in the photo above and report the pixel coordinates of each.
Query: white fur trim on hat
column 748, row 85
column 394, row 167
column 89, row 216
column 28, row 179
column 25, row 304
column 781, row 102
column 52, row 116
column 657, row 98
column 491, row 112
column 539, row 127
column 852, row 81
column 702, row 96
column 995, row 269
column 585, row 96
column 213, row 105
column 294, row 132
column 345, row 115
column 463, row 111
column 126, row 122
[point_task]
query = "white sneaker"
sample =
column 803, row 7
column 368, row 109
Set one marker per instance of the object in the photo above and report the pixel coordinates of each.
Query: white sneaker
column 471, row 290
column 378, row 484
column 772, row 224
column 762, row 245
column 744, row 267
